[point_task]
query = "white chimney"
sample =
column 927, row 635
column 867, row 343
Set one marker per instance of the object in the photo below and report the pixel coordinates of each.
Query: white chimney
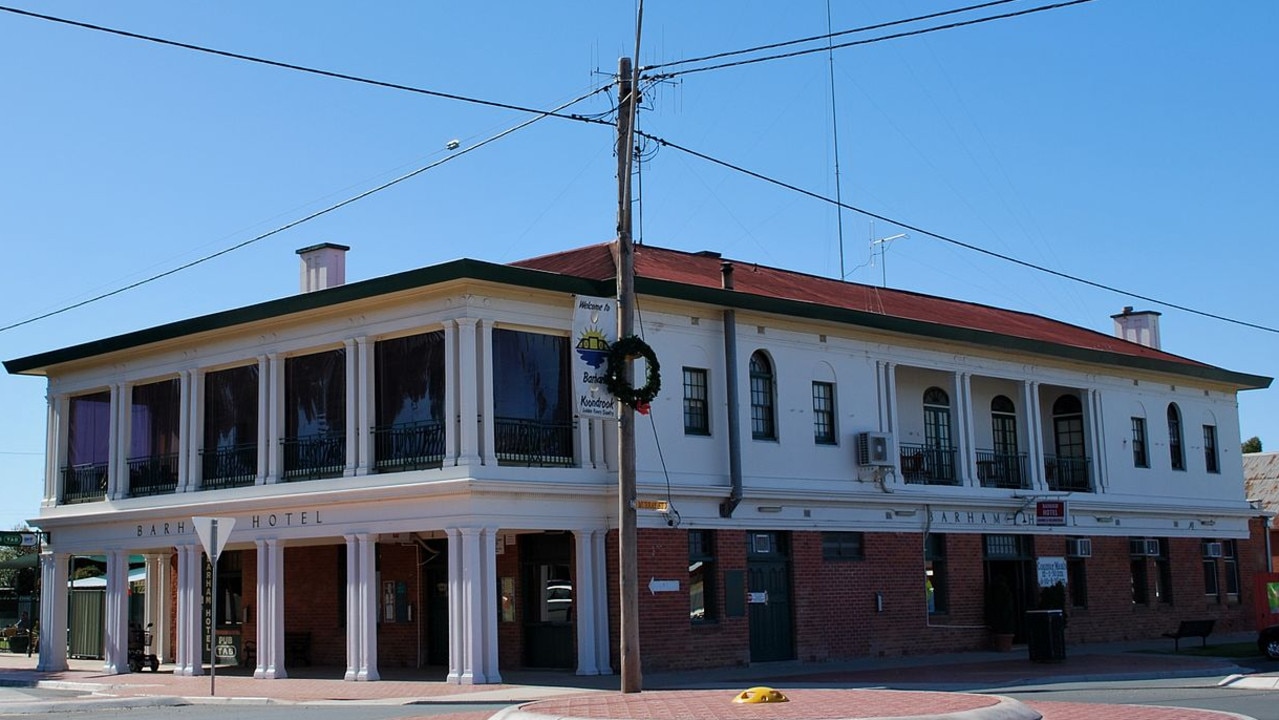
column 1141, row 327
column 323, row 266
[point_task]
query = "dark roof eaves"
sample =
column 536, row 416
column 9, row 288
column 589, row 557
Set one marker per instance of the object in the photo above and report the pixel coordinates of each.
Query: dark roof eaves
column 351, row 292
column 814, row 311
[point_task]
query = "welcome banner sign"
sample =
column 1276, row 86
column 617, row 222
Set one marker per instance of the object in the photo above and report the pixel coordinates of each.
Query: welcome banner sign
column 594, row 329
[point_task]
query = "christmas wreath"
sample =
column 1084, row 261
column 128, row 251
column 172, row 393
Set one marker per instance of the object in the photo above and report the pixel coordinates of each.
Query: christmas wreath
column 615, row 375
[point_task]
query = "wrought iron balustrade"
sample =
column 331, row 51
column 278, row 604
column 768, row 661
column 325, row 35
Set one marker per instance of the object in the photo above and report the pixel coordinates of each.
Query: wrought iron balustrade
column 928, row 464
column 314, row 456
column 529, row 442
column 228, row 467
column 1071, row 474
column 1002, row 470
column 153, row 475
column 84, row 483
column 408, row 446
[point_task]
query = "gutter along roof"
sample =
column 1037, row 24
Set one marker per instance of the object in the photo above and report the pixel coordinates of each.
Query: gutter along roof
column 696, row 277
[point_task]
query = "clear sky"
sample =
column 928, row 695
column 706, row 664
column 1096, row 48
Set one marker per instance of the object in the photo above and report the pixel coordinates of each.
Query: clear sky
column 1130, row 142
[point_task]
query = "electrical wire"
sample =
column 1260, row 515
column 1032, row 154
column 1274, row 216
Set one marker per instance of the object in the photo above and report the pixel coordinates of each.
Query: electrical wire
column 829, row 35
column 869, row 41
column 312, row 216
column 300, row 68
column 960, row 243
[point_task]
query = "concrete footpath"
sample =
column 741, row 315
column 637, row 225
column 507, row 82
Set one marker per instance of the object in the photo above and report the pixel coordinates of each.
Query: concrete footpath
column 934, row 686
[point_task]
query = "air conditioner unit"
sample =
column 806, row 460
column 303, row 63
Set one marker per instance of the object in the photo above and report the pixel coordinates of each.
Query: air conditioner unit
column 1143, row 546
column 874, row 448
column 1212, row 550
column 1079, row 547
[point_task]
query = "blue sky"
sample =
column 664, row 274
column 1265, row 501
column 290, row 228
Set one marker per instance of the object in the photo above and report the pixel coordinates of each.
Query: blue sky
column 1130, row 142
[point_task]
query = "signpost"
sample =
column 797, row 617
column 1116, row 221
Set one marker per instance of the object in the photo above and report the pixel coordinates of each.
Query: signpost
column 213, row 533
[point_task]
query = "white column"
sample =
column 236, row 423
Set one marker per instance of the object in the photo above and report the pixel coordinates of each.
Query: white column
column 64, row 439
column 488, row 404
column 50, row 452
column 123, row 480
column 489, row 607
column 354, row 628
column 968, row 450
column 270, row 611
column 368, row 607
column 116, row 620
column 1035, row 427
column 264, row 420
column 275, row 418
column 1097, row 439
column 114, row 459
column 157, row 603
column 453, row 386
column 472, row 609
column 188, row 650
column 584, row 588
column 185, row 447
column 195, row 463
column 468, row 401
column 53, row 611
column 890, row 416
column 599, row 560
column 364, row 393
column 351, row 364
column 457, row 612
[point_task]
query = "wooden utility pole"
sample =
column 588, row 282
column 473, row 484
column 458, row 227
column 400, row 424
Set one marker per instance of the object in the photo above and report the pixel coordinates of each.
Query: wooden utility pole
column 632, row 677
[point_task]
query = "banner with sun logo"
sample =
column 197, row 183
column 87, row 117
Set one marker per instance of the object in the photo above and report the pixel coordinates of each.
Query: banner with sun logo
column 594, row 328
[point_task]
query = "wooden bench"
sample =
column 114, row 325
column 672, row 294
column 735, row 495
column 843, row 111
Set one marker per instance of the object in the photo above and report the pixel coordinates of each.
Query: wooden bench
column 1191, row 628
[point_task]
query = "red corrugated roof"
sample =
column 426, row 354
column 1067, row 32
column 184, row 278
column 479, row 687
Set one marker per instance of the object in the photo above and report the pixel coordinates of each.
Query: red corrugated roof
column 703, row 270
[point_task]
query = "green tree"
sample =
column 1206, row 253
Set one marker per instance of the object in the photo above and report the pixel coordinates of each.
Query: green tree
column 1252, row 445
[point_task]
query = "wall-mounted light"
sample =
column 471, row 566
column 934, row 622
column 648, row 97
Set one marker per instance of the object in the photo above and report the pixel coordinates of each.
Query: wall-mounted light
column 769, row 508
column 1103, row 518
column 1209, row 522
column 905, row 513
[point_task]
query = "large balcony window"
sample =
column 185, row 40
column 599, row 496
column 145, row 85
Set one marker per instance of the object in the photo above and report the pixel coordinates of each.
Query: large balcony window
column 153, row 438
column 314, row 415
column 229, row 457
column 1003, row 466
column 533, row 401
column 1068, row 468
column 932, row 463
column 409, row 429
column 84, row 477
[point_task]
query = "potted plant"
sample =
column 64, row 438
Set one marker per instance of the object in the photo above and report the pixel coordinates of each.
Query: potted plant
column 1001, row 614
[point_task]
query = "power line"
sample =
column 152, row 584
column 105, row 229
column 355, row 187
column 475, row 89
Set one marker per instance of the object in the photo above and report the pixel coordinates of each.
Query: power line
column 854, row 43
column 829, row 35
column 302, row 68
column 312, row 216
column 958, row 243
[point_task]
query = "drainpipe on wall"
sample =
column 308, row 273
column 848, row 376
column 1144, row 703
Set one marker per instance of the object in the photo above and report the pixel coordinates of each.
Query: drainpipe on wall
column 727, row 507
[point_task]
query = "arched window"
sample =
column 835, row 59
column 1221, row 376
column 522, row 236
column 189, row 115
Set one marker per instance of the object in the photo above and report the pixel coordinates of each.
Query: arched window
column 763, row 416
column 1071, row 465
column 1174, row 438
column 1003, row 425
column 937, row 435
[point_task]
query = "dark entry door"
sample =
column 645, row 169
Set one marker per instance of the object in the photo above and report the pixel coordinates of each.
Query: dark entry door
column 1010, row 559
column 548, row 600
column 435, row 574
column 769, row 596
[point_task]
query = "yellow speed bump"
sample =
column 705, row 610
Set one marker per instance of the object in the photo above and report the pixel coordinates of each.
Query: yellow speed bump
column 760, row 695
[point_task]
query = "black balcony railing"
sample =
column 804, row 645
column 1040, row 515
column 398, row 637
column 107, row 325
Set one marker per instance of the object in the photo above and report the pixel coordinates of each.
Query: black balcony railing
column 1067, row 473
column 408, row 446
column 228, row 467
column 928, row 465
column 84, row 483
column 314, row 456
column 528, row 442
column 153, row 475
column 1002, row 470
